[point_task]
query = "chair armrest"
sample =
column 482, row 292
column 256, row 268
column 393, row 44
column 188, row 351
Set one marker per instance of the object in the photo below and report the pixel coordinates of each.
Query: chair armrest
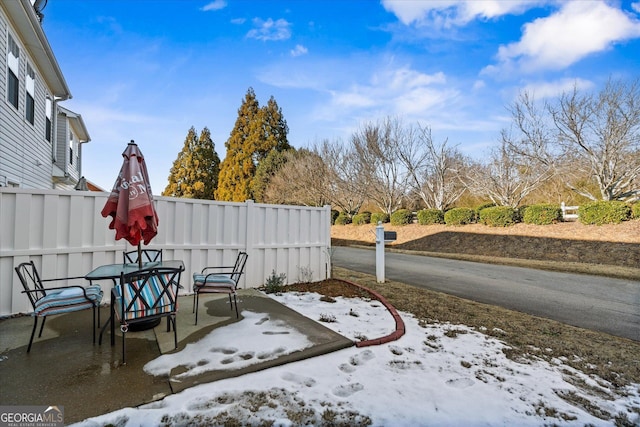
column 84, row 290
column 62, row 278
column 218, row 268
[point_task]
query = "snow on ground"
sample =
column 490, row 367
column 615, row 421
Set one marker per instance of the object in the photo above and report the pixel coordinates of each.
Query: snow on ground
column 435, row 375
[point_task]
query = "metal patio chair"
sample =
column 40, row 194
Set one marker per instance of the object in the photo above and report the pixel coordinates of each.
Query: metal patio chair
column 219, row 280
column 56, row 300
column 147, row 255
column 143, row 296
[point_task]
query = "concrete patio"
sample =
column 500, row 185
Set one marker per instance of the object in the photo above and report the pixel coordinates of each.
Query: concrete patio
column 65, row 369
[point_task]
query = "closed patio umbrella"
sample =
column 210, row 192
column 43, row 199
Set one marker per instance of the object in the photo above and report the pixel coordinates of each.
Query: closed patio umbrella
column 131, row 201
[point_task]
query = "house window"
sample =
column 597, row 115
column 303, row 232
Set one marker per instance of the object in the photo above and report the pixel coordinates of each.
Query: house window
column 30, row 94
column 48, row 108
column 13, row 64
column 70, row 148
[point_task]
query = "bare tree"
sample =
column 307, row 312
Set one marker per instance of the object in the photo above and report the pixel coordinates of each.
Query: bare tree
column 602, row 133
column 302, row 180
column 346, row 186
column 376, row 147
column 508, row 177
column 433, row 169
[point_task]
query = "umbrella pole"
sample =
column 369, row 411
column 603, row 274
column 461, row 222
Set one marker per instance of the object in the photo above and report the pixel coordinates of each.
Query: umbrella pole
column 139, row 256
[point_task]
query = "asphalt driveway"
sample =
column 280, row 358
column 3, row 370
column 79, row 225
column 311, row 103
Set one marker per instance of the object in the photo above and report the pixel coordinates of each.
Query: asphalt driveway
column 592, row 302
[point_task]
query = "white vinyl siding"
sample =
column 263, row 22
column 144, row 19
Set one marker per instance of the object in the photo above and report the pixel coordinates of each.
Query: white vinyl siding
column 25, row 158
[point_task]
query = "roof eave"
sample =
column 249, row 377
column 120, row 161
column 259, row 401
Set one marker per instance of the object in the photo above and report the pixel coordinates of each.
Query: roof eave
column 27, row 24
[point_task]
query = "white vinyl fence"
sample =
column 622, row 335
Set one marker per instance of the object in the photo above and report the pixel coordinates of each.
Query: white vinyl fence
column 65, row 235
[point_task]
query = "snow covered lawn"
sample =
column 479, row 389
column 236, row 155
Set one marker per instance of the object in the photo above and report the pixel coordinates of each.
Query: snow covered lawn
column 435, row 375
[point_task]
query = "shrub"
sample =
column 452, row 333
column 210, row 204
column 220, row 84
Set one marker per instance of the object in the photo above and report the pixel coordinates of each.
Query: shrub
column 604, row 212
column 498, row 216
column 520, row 212
column 459, row 216
column 334, row 215
column 362, row 218
column 635, row 210
column 542, row 214
column 379, row 217
column 430, row 216
column 401, row 217
column 343, row 219
column 483, row 206
column 275, row 282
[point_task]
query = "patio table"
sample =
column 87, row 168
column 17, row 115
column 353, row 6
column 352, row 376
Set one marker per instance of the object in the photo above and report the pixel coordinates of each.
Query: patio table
column 113, row 272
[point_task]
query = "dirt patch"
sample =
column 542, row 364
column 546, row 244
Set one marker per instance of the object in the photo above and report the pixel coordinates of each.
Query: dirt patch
column 567, row 242
column 617, row 360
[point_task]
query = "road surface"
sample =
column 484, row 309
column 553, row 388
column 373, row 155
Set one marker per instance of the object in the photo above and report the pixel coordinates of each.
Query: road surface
column 591, row 302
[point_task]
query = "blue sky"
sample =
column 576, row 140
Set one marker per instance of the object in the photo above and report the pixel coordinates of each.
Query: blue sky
column 148, row 70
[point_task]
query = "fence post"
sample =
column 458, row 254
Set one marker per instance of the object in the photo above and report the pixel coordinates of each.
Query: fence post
column 250, row 235
column 328, row 265
column 380, row 253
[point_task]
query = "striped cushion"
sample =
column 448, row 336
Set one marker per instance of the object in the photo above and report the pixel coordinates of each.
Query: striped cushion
column 150, row 293
column 215, row 280
column 67, row 300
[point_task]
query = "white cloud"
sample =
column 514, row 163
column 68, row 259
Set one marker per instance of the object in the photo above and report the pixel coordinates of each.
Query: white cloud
column 299, row 50
column 393, row 92
column 238, row 21
column 553, row 89
column 479, row 84
column 576, row 31
column 636, row 6
column 449, row 13
column 270, row 29
column 215, row 5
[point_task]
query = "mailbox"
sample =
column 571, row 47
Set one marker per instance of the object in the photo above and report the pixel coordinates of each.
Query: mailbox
column 390, row 236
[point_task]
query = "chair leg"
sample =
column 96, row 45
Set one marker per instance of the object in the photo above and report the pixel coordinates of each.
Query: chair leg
column 235, row 301
column 194, row 301
column 175, row 330
column 197, row 296
column 94, row 323
column 33, row 332
column 42, row 326
column 230, row 303
column 123, row 348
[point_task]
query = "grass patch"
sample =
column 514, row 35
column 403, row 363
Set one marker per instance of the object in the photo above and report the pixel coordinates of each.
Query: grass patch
column 616, row 360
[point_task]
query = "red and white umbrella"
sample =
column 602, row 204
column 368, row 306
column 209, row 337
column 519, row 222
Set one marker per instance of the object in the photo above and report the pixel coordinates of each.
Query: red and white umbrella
column 131, row 201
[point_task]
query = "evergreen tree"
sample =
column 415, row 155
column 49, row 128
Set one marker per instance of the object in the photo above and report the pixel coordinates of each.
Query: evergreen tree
column 256, row 132
column 265, row 172
column 194, row 173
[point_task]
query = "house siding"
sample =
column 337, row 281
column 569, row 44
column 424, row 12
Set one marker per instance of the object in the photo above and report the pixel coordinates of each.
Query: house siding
column 26, row 154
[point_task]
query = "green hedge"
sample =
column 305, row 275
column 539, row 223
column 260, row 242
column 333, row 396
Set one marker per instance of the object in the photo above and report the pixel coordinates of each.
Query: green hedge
column 430, row 216
column 401, row 217
column 483, row 206
column 334, row 215
column 635, row 210
column 379, row 217
column 604, row 212
column 343, row 219
column 542, row 214
column 498, row 216
column 362, row 218
column 459, row 216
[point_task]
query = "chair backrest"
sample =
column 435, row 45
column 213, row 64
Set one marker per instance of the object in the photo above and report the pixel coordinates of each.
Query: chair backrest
column 148, row 255
column 238, row 268
column 28, row 275
column 147, row 293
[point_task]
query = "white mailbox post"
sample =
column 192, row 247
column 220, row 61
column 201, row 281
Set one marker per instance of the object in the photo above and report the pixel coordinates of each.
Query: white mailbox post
column 382, row 237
